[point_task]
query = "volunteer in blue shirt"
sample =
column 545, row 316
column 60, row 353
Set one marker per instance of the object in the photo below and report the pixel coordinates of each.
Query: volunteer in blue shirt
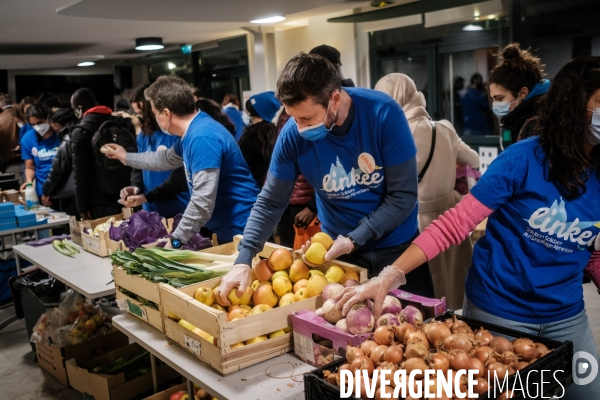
column 542, row 196
column 354, row 146
column 221, row 185
column 38, row 147
column 150, row 139
column 231, row 108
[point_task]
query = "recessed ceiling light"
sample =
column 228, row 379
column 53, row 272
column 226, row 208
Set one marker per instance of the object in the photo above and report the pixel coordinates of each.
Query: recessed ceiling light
column 472, row 28
column 268, row 20
column 86, row 64
column 150, row 43
column 171, row 65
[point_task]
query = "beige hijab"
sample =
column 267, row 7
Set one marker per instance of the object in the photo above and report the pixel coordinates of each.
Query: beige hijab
column 403, row 90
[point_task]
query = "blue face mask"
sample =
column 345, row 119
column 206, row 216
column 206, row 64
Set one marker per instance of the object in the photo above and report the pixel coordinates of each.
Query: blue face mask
column 501, row 108
column 316, row 132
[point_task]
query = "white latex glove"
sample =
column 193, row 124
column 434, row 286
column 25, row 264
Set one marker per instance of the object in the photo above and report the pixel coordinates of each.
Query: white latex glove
column 340, row 246
column 238, row 276
column 128, row 191
column 376, row 289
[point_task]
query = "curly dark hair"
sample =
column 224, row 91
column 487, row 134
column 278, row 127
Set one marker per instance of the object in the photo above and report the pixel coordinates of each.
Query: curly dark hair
column 307, row 75
column 517, row 69
column 149, row 125
column 563, row 127
column 214, row 110
column 266, row 133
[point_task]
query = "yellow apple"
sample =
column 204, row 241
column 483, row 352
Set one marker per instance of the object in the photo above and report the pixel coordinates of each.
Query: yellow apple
column 265, row 295
column 238, row 312
column 257, row 339
column 298, row 271
column 245, row 299
column 282, row 285
column 287, row 329
column 205, row 295
column 186, row 325
column 204, row 335
column 280, row 259
column 314, row 272
column 255, row 284
column 301, row 294
column 279, row 274
column 287, row 299
column 237, row 345
column 315, row 285
column 334, row 273
column 316, row 253
column 298, row 285
column 323, row 238
column 260, row 309
column 276, row 333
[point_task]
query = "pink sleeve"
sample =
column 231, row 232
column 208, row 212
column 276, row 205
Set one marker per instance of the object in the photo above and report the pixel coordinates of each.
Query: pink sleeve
column 593, row 268
column 453, row 227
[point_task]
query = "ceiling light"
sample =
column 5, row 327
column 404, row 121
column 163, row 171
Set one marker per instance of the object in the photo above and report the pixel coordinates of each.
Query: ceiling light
column 86, row 64
column 381, row 3
column 472, row 28
column 171, row 65
column 268, row 20
column 149, row 43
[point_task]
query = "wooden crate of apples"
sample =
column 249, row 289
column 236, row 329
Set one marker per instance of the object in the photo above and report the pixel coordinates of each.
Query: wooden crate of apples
column 256, row 326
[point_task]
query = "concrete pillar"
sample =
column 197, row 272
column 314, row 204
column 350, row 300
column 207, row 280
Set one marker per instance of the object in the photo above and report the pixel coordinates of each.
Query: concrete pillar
column 262, row 60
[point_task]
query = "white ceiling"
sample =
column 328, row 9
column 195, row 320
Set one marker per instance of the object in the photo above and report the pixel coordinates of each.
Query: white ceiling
column 34, row 35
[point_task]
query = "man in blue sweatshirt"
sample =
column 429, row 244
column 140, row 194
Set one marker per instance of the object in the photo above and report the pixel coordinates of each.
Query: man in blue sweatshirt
column 354, row 146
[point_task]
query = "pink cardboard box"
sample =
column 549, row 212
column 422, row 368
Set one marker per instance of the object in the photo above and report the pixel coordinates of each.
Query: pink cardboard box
column 309, row 329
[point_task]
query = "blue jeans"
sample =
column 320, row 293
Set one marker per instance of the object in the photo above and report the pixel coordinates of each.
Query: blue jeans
column 576, row 329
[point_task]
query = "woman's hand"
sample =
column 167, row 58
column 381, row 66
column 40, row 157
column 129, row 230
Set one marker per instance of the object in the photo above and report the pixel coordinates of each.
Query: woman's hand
column 376, row 289
column 116, row 152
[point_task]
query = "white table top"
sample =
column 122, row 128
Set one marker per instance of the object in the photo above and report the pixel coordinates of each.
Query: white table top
column 87, row 273
column 49, row 225
column 250, row 383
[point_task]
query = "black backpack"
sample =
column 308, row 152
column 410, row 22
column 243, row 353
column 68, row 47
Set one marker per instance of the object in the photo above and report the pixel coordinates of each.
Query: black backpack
column 112, row 175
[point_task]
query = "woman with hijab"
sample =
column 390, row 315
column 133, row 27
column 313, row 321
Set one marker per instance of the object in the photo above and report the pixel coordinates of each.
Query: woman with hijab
column 436, row 188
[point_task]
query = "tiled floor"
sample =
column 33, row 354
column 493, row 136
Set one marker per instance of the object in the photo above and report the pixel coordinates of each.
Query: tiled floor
column 22, row 379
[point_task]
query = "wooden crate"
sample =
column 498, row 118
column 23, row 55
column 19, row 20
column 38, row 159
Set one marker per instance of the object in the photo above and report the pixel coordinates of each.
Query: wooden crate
column 181, row 302
column 101, row 245
column 149, row 290
column 77, row 226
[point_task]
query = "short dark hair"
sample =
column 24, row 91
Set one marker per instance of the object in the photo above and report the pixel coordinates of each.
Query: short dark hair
column 173, row 93
column 198, row 93
column 149, row 125
column 230, row 98
column 307, row 75
column 85, row 98
column 39, row 111
column 214, row 110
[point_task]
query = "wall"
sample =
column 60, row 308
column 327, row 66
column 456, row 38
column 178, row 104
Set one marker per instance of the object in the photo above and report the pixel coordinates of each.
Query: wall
column 290, row 42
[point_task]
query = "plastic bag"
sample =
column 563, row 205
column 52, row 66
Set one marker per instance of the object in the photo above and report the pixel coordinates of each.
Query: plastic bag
column 72, row 322
column 466, row 178
column 304, row 235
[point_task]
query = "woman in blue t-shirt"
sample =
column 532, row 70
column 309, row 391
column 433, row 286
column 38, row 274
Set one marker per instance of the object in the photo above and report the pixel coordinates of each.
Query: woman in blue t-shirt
column 150, row 139
column 38, row 147
column 542, row 196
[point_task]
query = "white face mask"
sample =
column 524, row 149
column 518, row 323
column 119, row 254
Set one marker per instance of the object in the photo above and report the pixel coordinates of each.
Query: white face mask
column 165, row 131
column 594, row 137
column 20, row 124
column 41, row 129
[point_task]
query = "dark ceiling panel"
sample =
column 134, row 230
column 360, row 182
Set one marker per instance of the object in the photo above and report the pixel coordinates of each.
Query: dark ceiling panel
column 39, row 48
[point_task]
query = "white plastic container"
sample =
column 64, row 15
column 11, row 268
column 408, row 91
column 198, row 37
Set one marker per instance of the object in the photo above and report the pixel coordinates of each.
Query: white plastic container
column 31, row 199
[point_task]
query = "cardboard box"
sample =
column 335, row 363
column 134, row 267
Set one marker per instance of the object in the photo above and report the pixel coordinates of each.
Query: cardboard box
column 8, row 223
column 166, row 394
column 114, row 387
column 219, row 354
column 52, row 358
column 7, row 210
column 307, row 324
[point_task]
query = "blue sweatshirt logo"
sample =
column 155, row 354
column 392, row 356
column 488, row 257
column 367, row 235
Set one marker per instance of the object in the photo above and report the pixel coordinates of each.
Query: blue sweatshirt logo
column 338, row 180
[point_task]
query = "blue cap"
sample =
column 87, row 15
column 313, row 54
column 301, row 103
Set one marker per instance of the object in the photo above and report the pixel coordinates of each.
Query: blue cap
column 266, row 105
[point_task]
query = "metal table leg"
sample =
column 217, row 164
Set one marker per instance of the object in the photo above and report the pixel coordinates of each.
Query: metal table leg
column 154, row 376
column 190, row 389
column 18, row 262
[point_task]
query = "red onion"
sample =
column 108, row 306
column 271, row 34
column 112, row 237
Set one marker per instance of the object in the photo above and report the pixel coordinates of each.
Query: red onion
column 411, row 315
column 330, row 312
column 391, row 305
column 342, row 324
column 360, row 319
column 384, row 335
column 387, row 319
column 331, row 291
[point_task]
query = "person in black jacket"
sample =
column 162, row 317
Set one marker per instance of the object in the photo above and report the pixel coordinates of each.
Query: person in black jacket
column 91, row 201
column 59, row 189
column 259, row 138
